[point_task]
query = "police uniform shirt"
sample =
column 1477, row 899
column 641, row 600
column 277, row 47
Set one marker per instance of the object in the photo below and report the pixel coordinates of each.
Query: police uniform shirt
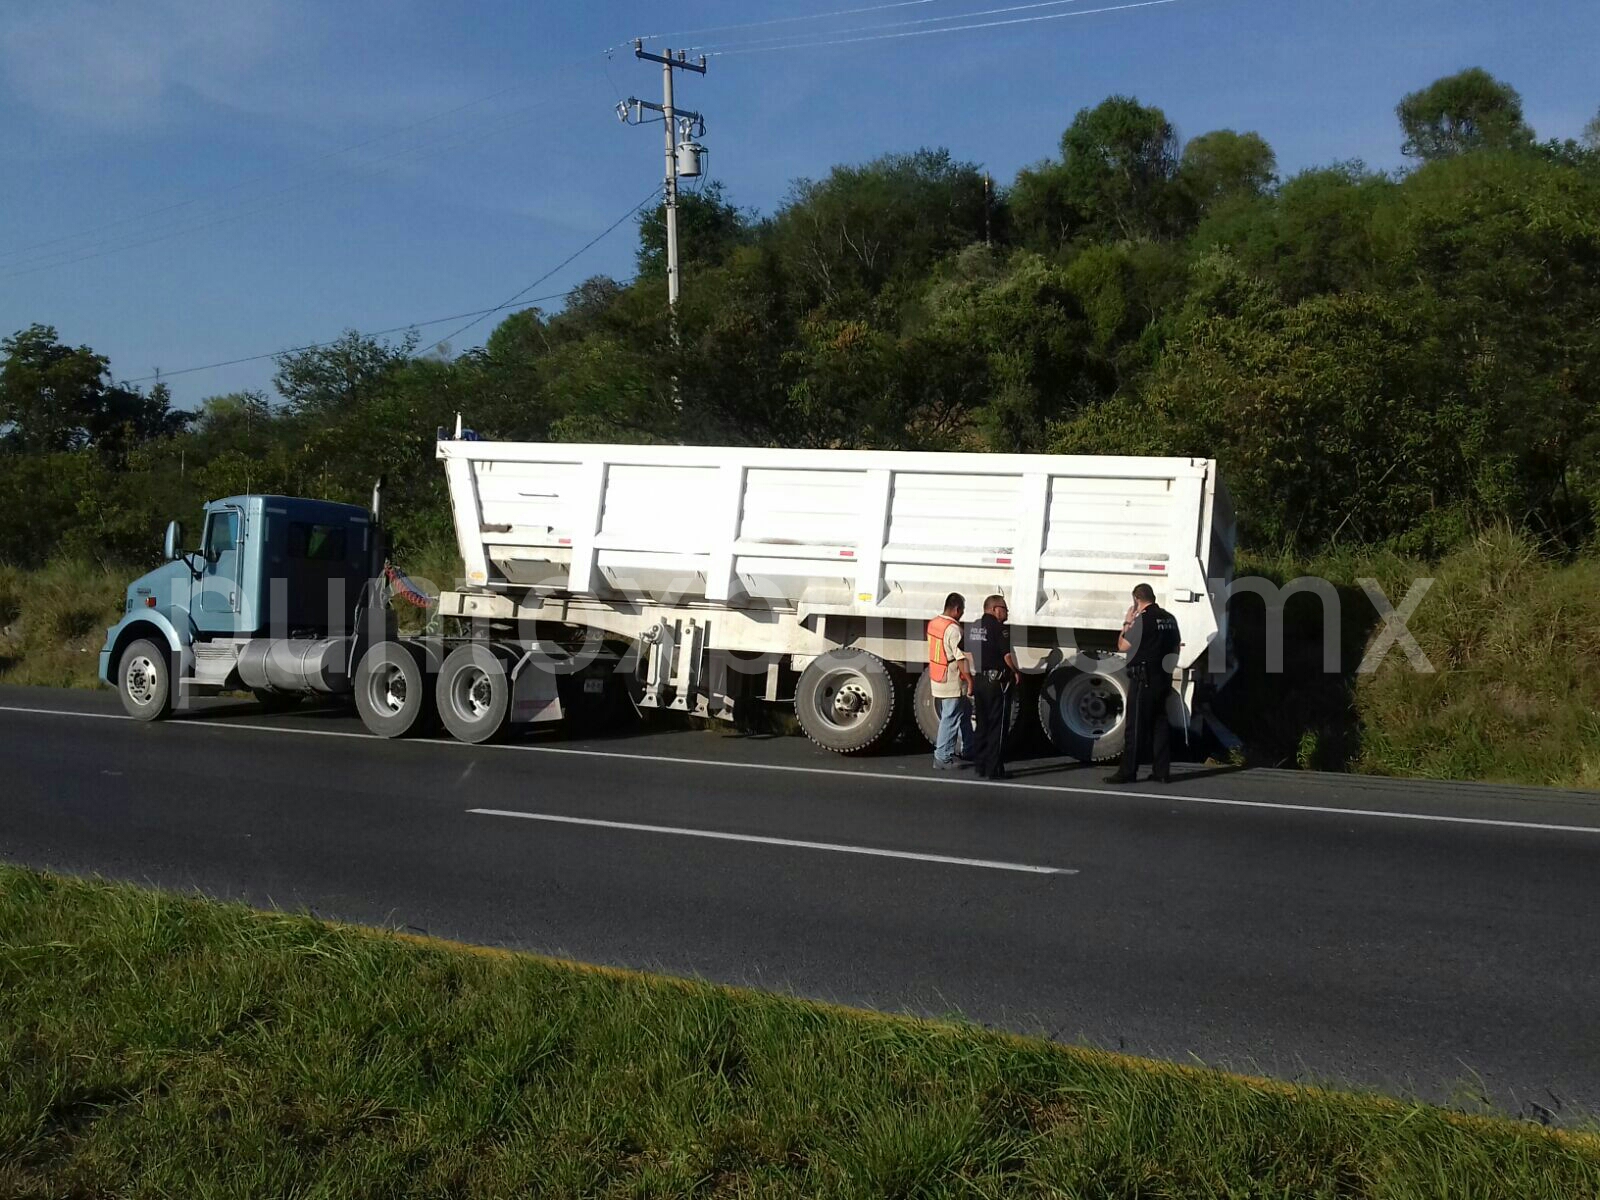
column 989, row 641
column 1153, row 636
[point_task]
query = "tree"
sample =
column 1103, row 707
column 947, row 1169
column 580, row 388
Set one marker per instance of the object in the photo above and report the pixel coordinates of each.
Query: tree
column 1115, row 179
column 1591, row 134
column 1460, row 113
column 854, row 232
column 708, row 229
column 1329, row 419
column 1225, row 165
column 1499, row 254
column 57, row 397
column 1314, row 236
column 327, row 379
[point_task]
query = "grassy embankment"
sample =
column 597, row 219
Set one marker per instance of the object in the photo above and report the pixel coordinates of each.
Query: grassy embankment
column 1515, row 638
column 1515, row 696
column 159, row 1045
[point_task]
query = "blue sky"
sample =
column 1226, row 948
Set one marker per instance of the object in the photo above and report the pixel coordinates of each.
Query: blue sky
column 238, row 118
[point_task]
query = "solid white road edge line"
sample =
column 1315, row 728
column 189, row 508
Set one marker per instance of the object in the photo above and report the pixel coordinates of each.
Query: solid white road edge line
column 884, row 776
column 835, row 847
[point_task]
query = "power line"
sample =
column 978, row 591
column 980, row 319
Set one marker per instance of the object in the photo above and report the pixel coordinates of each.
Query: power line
column 963, row 16
column 250, row 358
column 840, row 12
column 476, row 314
column 878, row 37
column 580, row 250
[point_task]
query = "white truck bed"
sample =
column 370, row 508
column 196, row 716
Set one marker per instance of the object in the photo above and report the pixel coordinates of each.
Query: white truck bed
column 864, row 534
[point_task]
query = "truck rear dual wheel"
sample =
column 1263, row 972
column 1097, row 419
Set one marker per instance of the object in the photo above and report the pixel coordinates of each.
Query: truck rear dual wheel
column 846, row 700
column 1084, row 713
column 474, row 694
column 927, row 713
column 394, row 691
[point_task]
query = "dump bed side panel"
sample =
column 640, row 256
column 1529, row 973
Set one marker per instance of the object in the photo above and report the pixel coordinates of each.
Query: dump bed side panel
column 866, row 533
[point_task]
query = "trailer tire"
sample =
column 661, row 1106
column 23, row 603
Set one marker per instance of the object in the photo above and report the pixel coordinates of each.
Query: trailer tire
column 144, row 680
column 1083, row 713
column 925, row 710
column 927, row 714
column 393, row 692
column 474, row 694
column 846, row 700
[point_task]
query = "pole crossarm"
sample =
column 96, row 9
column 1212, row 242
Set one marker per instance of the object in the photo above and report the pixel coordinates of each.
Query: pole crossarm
column 683, row 114
column 681, row 62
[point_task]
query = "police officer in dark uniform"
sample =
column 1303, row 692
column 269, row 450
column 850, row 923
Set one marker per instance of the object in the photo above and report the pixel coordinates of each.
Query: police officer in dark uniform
column 994, row 674
column 1149, row 638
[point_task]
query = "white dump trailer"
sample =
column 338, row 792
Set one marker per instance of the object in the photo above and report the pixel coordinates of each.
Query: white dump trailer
column 711, row 578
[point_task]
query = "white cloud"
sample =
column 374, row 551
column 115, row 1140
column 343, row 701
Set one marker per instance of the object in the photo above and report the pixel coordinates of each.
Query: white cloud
column 117, row 64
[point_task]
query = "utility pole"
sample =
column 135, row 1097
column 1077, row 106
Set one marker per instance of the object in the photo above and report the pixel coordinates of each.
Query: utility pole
column 675, row 121
column 987, row 241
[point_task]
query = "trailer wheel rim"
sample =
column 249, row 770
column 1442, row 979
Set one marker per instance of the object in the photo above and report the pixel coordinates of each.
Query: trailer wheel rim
column 1091, row 706
column 141, row 680
column 845, row 698
column 472, row 694
column 386, row 689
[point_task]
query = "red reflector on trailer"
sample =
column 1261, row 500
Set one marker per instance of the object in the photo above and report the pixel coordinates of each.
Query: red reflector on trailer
column 565, row 542
column 1158, row 566
column 847, row 554
column 149, row 601
column 1004, row 562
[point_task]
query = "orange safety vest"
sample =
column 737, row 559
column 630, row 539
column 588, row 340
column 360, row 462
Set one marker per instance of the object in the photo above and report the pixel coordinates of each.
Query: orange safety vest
column 938, row 660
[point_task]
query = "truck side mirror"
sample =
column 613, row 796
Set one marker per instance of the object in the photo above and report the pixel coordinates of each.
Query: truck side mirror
column 173, row 546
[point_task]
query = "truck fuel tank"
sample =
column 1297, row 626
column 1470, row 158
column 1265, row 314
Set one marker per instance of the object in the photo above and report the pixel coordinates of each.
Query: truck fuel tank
column 296, row 664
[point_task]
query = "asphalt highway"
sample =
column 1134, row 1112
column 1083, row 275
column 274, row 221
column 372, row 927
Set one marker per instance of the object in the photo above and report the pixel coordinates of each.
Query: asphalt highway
column 1421, row 939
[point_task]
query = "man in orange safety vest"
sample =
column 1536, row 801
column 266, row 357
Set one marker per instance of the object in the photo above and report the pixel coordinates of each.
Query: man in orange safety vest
column 952, row 684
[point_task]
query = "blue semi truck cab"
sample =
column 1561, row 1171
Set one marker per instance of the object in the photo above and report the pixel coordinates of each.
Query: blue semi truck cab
column 274, row 595
column 288, row 598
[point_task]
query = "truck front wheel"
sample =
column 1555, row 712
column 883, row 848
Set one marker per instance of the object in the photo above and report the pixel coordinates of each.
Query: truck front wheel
column 846, row 700
column 393, row 693
column 144, row 681
column 474, row 694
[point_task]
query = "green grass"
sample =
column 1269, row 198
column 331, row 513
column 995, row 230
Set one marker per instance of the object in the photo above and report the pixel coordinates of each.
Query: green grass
column 1516, row 694
column 1515, row 698
column 155, row 1045
column 53, row 621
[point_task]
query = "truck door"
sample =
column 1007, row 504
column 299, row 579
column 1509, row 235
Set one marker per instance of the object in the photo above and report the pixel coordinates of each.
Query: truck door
column 219, row 577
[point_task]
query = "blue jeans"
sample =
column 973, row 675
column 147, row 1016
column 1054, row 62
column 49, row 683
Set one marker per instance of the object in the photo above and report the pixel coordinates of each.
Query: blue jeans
column 955, row 729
